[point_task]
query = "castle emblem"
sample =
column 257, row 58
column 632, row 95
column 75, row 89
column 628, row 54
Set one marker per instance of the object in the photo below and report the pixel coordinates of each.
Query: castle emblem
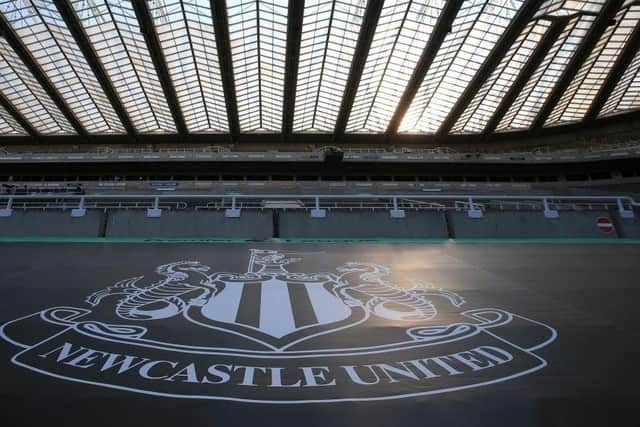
column 270, row 304
column 278, row 334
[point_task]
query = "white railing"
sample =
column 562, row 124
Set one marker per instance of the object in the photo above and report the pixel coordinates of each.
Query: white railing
column 318, row 204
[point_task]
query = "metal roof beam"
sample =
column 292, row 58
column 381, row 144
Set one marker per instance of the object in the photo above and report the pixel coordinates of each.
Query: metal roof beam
column 365, row 38
column 294, row 36
column 529, row 68
column 221, row 28
column 616, row 73
column 23, row 53
column 148, row 30
column 510, row 35
column 73, row 24
column 440, row 31
column 604, row 19
column 18, row 117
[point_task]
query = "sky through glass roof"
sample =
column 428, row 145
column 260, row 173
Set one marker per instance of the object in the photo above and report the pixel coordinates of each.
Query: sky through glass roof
column 55, row 90
column 187, row 37
column 329, row 36
column 43, row 31
column 113, row 30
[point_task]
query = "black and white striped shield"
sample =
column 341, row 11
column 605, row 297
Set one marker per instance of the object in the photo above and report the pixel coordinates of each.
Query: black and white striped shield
column 278, row 310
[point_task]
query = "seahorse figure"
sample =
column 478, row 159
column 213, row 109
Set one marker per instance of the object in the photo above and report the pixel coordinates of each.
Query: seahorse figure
column 162, row 299
column 387, row 300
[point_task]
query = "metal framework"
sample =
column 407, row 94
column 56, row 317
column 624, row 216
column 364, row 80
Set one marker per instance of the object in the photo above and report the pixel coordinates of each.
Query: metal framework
column 19, row 118
column 151, row 37
column 66, row 11
column 604, row 19
column 294, row 34
column 314, row 71
column 221, row 27
column 517, row 25
column 630, row 50
column 532, row 64
column 428, row 55
column 372, row 14
column 16, row 44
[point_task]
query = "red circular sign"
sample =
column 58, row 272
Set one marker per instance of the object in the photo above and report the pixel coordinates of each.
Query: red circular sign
column 604, row 224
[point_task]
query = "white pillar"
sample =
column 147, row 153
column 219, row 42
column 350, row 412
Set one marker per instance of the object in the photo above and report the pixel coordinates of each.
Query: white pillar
column 317, row 212
column 155, row 211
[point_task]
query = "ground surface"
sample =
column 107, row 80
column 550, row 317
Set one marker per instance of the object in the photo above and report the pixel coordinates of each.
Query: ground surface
column 448, row 334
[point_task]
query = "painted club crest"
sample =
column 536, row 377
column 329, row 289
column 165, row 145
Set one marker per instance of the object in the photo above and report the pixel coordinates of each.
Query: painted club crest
column 271, row 305
column 279, row 335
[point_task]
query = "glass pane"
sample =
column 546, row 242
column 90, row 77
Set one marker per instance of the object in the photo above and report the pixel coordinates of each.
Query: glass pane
column 188, row 40
column 113, row 30
column 477, row 115
column 403, row 30
column 475, row 31
column 22, row 89
column 46, row 36
column 579, row 96
column 8, row 126
column 531, row 99
column 258, row 35
column 330, row 32
column 569, row 7
column 626, row 95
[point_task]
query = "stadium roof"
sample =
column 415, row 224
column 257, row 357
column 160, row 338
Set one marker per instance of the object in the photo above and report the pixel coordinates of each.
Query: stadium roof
column 128, row 70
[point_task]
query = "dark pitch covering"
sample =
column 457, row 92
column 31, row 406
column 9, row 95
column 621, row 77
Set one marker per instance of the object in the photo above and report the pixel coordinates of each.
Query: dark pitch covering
column 587, row 293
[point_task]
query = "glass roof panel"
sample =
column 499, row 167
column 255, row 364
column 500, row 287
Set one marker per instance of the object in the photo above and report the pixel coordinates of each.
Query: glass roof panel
column 626, row 94
column 330, row 30
column 474, row 33
column 24, row 92
column 112, row 29
column 46, row 36
column 402, row 33
column 258, row 35
column 569, row 7
column 579, row 96
column 527, row 105
column 8, row 126
column 187, row 37
column 484, row 104
column 329, row 35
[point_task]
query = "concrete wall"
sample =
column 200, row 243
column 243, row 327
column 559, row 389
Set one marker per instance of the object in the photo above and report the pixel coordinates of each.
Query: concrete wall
column 628, row 228
column 362, row 224
column 134, row 223
column 519, row 224
column 259, row 225
column 50, row 223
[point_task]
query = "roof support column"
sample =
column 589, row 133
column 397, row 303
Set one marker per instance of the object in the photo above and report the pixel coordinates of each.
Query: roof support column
column 440, row 31
column 18, row 117
column 616, row 73
column 367, row 31
column 25, row 56
column 221, row 28
column 294, row 35
column 155, row 49
column 526, row 13
column 70, row 18
column 600, row 25
column 529, row 68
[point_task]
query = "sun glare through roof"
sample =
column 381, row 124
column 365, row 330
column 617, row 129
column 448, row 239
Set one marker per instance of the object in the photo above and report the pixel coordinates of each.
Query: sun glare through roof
column 356, row 60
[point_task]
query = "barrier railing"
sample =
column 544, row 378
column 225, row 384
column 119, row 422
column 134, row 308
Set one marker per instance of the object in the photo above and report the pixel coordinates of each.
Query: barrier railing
column 317, row 204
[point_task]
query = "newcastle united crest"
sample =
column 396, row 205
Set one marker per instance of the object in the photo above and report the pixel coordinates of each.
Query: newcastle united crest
column 274, row 334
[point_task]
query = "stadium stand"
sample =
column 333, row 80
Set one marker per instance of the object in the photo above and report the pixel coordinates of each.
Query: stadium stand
column 369, row 213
